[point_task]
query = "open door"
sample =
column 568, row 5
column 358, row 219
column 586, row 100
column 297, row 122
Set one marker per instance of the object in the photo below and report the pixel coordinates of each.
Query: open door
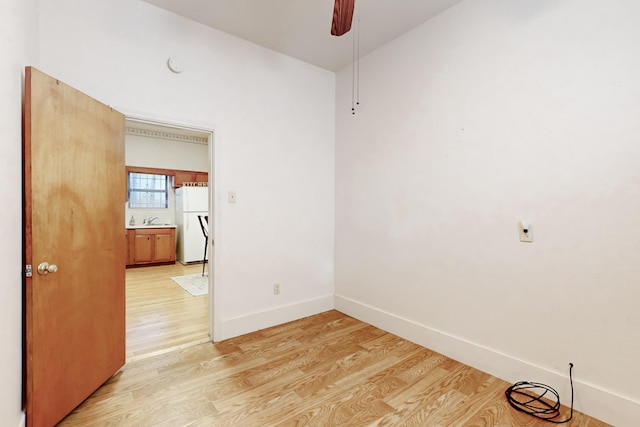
column 74, row 180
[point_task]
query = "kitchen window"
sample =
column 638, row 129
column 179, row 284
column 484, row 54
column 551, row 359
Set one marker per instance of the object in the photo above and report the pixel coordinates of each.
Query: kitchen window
column 148, row 191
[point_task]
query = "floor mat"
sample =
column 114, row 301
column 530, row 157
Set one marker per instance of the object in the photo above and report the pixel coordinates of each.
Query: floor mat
column 195, row 284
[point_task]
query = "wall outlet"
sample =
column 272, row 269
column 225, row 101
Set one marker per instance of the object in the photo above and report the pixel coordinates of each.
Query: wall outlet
column 276, row 289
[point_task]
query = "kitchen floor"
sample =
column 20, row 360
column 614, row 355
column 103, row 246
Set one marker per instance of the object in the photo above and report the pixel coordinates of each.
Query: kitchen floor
column 161, row 316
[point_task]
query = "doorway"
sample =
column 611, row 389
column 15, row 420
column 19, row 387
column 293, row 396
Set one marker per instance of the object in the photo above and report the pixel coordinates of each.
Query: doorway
column 168, row 145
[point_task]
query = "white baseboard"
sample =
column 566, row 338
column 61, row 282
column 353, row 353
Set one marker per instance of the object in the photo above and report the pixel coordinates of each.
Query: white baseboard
column 256, row 321
column 23, row 420
column 590, row 399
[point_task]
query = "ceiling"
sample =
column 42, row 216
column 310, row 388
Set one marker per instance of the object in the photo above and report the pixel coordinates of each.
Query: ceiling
column 301, row 28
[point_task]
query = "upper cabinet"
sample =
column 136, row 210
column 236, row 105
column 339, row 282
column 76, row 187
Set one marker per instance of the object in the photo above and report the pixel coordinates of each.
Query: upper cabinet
column 182, row 178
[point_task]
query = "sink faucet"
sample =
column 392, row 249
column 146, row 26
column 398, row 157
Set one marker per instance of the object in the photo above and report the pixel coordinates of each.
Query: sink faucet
column 151, row 219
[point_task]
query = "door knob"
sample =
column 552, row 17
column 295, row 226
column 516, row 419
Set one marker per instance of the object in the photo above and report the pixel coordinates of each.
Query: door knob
column 46, row 268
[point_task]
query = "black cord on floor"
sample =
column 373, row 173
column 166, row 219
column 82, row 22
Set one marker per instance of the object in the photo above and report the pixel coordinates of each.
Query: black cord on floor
column 535, row 399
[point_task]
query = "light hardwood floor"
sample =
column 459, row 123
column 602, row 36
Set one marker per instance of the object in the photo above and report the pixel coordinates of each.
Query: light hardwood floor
column 161, row 316
column 325, row 370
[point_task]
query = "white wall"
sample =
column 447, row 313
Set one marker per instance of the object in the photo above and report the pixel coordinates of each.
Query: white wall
column 274, row 141
column 18, row 44
column 493, row 112
column 166, row 154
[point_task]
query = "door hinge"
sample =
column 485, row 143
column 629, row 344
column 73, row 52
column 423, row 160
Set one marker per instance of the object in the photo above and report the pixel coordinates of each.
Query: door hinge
column 28, row 271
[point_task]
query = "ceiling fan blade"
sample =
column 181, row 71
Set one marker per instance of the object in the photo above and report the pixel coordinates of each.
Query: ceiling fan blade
column 342, row 17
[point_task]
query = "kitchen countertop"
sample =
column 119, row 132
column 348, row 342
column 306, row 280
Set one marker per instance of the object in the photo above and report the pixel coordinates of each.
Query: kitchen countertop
column 133, row 227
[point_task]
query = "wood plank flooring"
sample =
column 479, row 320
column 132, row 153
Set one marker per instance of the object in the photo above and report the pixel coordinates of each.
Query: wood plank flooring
column 324, row 370
column 161, row 316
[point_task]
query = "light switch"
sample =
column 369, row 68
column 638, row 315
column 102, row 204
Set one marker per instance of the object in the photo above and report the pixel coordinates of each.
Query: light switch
column 232, row 196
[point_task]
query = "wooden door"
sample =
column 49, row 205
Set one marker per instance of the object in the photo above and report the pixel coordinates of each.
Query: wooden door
column 74, row 219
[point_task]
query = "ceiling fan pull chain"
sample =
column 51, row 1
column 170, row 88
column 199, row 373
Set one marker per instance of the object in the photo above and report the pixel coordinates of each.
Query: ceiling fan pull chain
column 353, row 75
column 355, row 67
column 358, row 55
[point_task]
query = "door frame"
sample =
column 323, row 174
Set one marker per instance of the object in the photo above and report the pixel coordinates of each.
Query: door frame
column 215, row 323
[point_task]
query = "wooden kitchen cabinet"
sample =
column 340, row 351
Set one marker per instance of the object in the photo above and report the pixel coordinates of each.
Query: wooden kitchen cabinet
column 151, row 246
column 165, row 246
column 202, row 177
column 180, row 178
column 143, row 249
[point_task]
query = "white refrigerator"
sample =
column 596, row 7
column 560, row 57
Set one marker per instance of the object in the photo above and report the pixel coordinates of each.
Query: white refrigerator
column 190, row 202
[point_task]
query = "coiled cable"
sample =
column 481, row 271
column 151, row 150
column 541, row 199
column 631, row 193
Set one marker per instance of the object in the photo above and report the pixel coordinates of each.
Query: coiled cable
column 538, row 400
